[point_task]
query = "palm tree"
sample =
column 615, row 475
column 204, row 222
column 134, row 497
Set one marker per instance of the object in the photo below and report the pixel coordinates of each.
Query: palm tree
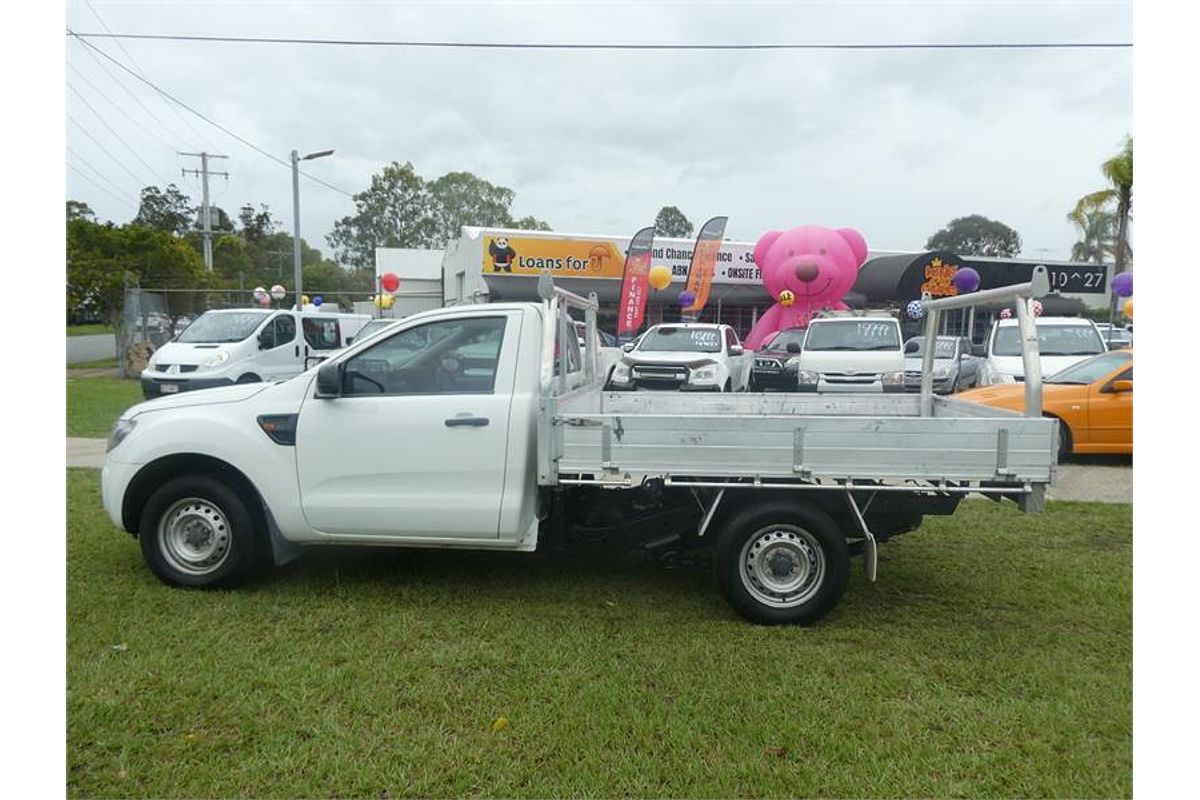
column 1097, row 231
column 1118, row 170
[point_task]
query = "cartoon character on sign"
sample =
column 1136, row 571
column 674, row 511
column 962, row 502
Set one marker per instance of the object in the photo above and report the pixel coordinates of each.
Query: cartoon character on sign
column 502, row 254
column 806, row 270
column 597, row 256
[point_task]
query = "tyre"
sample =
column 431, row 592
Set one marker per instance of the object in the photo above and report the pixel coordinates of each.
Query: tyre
column 196, row 531
column 1065, row 443
column 782, row 563
column 249, row 377
column 728, row 386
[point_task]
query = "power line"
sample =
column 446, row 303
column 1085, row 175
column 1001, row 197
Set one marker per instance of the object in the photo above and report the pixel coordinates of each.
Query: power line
column 611, row 46
column 100, row 174
column 215, row 124
column 141, row 72
column 81, row 174
column 114, row 133
column 115, row 160
column 79, row 74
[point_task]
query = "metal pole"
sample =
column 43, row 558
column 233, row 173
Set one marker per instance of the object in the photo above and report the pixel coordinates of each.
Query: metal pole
column 1030, row 357
column 296, row 225
column 930, row 345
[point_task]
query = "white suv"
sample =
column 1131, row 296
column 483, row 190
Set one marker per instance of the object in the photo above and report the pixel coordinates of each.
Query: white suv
column 1062, row 342
column 850, row 353
column 686, row 356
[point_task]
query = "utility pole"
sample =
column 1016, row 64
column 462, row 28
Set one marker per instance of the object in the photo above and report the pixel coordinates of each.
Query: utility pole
column 205, row 210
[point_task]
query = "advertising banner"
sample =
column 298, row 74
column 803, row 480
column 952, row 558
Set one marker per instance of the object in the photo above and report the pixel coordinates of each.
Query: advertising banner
column 704, row 263
column 635, row 286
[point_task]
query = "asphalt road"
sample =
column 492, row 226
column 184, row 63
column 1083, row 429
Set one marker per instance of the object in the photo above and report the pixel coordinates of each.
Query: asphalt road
column 91, row 348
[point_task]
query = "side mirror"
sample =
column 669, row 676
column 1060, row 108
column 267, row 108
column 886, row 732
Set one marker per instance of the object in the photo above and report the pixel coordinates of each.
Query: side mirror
column 793, row 347
column 1121, row 386
column 736, row 349
column 628, row 347
column 349, row 340
column 979, row 350
column 329, row 381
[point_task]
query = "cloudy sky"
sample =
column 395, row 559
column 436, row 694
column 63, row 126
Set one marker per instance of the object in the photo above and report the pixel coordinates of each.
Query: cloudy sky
column 895, row 143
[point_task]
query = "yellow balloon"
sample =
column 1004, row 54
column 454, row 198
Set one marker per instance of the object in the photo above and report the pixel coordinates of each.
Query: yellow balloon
column 384, row 301
column 304, row 299
column 1127, row 309
column 660, row 276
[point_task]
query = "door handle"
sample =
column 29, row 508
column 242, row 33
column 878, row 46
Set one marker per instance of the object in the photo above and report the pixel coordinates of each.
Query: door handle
column 466, row 421
column 297, row 351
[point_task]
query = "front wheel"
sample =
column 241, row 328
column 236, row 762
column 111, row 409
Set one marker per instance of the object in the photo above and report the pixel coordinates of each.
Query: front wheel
column 196, row 531
column 782, row 564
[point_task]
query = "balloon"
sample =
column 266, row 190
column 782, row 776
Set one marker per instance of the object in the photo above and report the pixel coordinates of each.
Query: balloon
column 278, row 292
column 259, row 294
column 384, row 301
column 304, row 300
column 1006, row 313
column 686, row 299
column 787, row 298
column 390, row 281
column 914, row 309
column 1127, row 308
column 265, row 299
column 660, row 276
column 1037, row 308
column 1122, row 284
column 966, row 280
column 318, row 300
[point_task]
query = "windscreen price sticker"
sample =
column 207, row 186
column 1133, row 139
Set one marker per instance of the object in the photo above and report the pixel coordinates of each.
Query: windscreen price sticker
column 702, row 338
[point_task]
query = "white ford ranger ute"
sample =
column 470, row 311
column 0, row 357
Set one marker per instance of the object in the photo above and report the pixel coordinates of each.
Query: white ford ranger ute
column 487, row 427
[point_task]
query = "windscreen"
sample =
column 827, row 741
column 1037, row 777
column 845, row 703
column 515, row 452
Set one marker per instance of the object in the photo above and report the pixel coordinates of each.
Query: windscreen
column 1053, row 340
column 784, row 338
column 1093, row 369
column 853, row 334
column 212, row 328
column 670, row 339
column 944, row 348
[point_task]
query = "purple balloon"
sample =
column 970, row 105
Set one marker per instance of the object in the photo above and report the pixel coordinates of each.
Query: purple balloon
column 686, row 299
column 966, row 280
column 1122, row 284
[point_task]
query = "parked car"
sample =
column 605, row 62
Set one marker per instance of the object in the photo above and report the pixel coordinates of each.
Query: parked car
column 248, row 345
column 370, row 329
column 954, row 368
column 1092, row 400
column 1062, row 342
column 1115, row 337
column 770, row 362
column 850, row 352
column 691, row 356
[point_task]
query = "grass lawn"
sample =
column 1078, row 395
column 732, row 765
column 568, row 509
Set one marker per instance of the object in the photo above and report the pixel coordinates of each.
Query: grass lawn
column 88, row 330
column 103, row 363
column 992, row 659
column 93, row 404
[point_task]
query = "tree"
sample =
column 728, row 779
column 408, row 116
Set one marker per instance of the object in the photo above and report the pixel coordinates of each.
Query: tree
column 460, row 198
column 671, row 222
column 255, row 224
column 1116, row 199
column 168, row 210
column 393, row 212
column 530, row 223
column 1098, row 235
column 976, row 235
column 77, row 209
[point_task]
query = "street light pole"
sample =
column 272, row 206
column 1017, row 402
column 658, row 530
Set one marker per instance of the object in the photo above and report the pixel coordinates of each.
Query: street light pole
column 296, row 159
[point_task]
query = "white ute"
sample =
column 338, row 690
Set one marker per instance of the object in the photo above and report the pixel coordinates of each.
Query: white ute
column 487, row 427
column 850, row 352
column 690, row 356
column 1062, row 342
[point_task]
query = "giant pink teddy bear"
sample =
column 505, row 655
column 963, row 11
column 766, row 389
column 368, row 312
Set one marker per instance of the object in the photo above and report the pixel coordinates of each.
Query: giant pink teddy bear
column 816, row 265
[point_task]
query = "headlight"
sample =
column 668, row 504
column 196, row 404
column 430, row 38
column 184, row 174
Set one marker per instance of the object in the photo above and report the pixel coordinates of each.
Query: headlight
column 704, row 374
column 215, row 360
column 152, row 362
column 768, row 363
column 892, row 378
column 805, row 377
column 620, row 373
column 119, row 432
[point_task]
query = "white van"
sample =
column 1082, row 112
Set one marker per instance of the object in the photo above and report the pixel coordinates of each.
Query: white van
column 245, row 345
column 1062, row 342
column 850, row 352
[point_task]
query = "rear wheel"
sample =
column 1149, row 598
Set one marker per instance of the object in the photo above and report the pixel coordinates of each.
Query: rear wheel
column 196, row 531
column 782, row 563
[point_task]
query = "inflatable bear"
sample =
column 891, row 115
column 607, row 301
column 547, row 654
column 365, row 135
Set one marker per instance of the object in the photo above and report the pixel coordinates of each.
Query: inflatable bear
column 806, row 270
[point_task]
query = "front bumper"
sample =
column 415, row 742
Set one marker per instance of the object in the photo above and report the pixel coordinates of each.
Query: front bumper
column 114, row 480
column 779, row 380
column 154, row 387
column 940, row 385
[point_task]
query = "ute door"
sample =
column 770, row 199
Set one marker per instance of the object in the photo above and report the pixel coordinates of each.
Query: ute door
column 278, row 350
column 1110, row 414
column 416, row 444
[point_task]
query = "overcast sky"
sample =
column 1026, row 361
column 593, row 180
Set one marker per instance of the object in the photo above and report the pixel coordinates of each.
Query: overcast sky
column 894, row 143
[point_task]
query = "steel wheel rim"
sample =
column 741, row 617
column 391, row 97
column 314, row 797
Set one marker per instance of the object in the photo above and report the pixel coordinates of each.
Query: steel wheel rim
column 194, row 536
column 782, row 566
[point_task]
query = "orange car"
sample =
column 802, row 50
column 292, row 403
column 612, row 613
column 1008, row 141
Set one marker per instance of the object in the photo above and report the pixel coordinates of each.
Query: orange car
column 1093, row 401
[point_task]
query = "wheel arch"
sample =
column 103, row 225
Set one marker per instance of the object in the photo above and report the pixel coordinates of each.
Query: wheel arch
column 1070, row 434
column 155, row 473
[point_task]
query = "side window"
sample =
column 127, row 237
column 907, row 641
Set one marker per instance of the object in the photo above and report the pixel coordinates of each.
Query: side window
column 322, row 333
column 285, row 330
column 731, row 339
column 1125, row 375
column 458, row 356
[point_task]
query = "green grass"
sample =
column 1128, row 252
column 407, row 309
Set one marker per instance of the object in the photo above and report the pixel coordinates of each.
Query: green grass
column 88, row 330
column 93, row 404
column 103, row 363
column 992, row 659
